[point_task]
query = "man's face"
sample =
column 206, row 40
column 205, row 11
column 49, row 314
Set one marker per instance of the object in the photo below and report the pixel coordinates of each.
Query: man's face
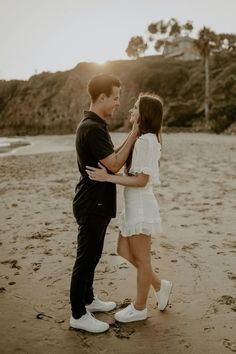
column 109, row 104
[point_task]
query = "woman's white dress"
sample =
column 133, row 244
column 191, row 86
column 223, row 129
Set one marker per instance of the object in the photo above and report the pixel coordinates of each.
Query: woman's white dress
column 141, row 212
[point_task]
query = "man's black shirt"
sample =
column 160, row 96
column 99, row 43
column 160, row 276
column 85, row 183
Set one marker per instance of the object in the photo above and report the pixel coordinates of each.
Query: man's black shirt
column 93, row 143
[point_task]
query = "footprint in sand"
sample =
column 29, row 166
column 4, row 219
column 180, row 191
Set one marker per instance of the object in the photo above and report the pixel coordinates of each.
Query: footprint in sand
column 230, row 244
column 124, row 303
column 167, row 245
column 231, row 276
column 29, row 247
column 13, row 262
column 175, row 208
column 182, row 341
column 36, row 266
column 227, row 300
column 48, row 252
column 40, row 235
column 220, row 252
column 209, row 329
column 191, row 246
column 12, row 283
column 229, row 345
column 121, row 332
column 214, row 247
column 194, row 265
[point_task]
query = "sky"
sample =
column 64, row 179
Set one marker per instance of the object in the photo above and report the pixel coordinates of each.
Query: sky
column 55, row 35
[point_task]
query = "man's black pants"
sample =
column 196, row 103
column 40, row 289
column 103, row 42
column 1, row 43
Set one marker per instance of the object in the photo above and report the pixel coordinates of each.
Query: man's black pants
column 92, row 230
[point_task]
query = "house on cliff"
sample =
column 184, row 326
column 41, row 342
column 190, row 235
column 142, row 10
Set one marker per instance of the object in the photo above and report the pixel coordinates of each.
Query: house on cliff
column 181, row 48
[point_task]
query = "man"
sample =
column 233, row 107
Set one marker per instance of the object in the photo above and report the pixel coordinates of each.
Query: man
column 94, row 203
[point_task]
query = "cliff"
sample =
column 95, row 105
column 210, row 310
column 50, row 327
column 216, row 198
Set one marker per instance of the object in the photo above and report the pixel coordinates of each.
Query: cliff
column 52, row 103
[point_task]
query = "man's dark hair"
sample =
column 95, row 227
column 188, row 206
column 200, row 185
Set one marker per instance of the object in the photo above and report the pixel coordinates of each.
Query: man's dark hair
column 102, row 83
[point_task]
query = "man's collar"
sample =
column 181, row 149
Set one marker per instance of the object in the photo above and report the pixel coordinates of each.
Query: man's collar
column 92, row 115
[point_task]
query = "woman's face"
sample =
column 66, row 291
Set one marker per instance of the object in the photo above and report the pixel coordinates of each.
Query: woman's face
column 134, row 113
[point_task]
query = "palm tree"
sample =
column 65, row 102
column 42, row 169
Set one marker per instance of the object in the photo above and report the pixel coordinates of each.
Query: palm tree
column 206, row 41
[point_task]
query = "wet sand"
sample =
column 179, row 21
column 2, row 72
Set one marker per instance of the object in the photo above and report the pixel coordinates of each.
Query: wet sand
column 196, row 251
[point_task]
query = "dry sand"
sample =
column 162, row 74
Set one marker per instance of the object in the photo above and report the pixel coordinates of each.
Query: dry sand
column 196, row 251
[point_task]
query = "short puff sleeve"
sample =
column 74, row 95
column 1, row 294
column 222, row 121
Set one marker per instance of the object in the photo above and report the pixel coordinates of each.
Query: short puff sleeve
column 146, row 156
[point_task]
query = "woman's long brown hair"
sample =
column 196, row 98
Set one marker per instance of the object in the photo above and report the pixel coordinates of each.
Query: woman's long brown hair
column 150, row 119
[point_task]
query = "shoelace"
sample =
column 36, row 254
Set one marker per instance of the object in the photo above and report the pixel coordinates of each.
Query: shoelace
column 91, row 315
column 130, row 311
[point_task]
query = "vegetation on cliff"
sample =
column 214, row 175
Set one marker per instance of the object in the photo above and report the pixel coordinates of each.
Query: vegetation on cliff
column 52, row 103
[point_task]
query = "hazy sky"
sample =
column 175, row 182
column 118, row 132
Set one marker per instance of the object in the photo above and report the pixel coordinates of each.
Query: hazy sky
column 51, row 35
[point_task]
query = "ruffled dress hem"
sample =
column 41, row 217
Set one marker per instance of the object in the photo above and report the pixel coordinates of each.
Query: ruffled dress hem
column 141, row 228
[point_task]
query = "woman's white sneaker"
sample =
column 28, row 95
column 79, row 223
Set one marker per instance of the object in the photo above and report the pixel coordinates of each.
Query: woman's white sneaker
column 163, row 294
column 89, row 323
column 130, row 314
column 100, row 306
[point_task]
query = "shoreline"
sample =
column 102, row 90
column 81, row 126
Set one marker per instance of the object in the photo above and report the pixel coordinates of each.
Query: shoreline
column 27, row 145
column 7, row 144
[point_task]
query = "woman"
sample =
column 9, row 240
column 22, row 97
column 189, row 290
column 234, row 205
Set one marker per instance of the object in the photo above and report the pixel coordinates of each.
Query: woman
column 140, row 218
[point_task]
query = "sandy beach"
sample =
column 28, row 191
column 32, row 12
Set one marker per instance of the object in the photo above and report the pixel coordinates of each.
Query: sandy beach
column 196, row 252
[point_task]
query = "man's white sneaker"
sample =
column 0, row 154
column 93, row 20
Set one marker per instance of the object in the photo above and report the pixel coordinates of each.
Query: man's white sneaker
column 100, row 306
column 163, row 294
column 89, row 323
column 130, row 314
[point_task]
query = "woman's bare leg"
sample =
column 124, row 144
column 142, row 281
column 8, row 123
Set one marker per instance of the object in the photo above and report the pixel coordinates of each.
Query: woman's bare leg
column 123, row 249
column 140, row 246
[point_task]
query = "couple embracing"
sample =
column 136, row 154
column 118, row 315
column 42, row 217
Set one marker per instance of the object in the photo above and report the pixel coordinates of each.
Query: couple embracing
column 94, row 203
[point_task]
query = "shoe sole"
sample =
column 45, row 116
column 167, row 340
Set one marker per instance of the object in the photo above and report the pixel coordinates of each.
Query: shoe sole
column 123, row 321
column 99, row 310
column 86, row 330
column 171, row 286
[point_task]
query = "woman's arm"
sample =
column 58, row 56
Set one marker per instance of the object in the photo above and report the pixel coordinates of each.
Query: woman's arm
column 101, row 175
column 138, row 180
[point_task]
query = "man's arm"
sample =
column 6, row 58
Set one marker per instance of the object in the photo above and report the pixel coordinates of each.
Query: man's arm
column 115, row 161
column 117, row 149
